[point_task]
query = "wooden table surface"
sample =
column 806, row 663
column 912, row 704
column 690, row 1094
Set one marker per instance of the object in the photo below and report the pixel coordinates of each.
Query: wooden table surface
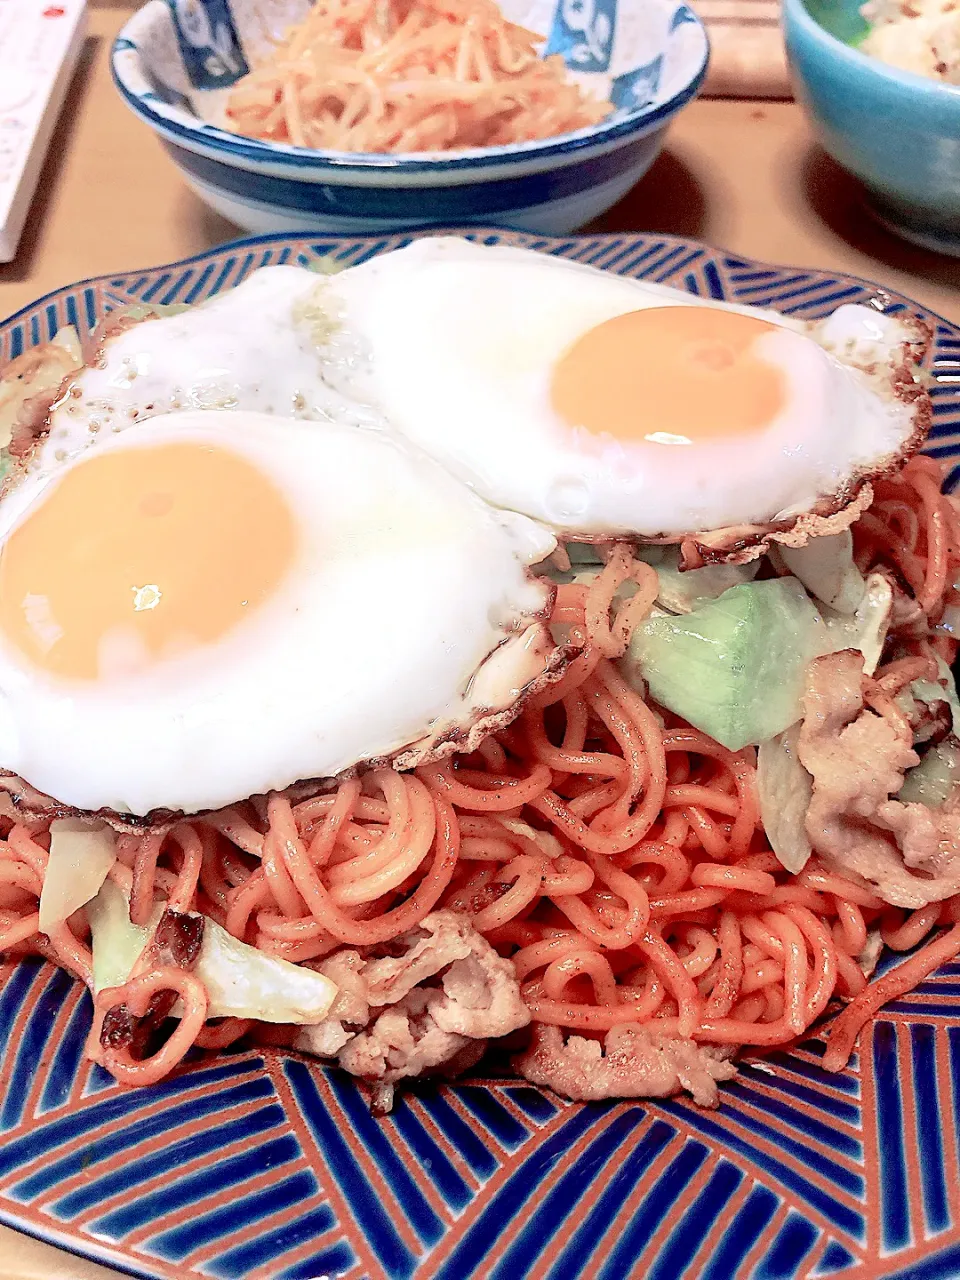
column 744, row 176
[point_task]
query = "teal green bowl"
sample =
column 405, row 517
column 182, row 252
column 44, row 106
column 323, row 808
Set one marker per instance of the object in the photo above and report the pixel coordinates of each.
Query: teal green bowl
column 897, row 132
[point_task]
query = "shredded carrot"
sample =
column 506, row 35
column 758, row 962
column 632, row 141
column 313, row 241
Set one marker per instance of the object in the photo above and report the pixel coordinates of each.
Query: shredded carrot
column 408, row 75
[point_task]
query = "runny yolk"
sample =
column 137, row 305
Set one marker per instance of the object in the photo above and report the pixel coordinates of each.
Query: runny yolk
column 670, row 374
column 141, row 554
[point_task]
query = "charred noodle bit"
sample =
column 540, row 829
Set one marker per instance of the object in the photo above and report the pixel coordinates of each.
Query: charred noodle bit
column 126, row 1018
column 408, row 75
column 593, row 881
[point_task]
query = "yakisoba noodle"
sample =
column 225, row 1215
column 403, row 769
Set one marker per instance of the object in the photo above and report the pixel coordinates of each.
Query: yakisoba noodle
column 408, row 75
column 613, row 853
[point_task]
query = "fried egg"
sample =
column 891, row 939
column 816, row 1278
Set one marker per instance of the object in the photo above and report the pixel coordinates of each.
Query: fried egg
column 221, row 603
column 253, row 347
column 604, row 405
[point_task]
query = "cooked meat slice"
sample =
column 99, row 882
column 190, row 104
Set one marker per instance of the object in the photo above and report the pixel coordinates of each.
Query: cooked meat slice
column 442, row 938
column 29, row 385
column 857, row 758
column 634, row 1061
column 405, row 1040
column 433, row 1006
column 345, row 968
column 349, row 1012
column 928, row 838
column 857, row 761
column 481, row 996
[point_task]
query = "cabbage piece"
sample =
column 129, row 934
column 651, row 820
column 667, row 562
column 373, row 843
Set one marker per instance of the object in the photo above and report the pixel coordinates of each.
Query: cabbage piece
column 583, row 575
column 826, row 568
column 733, row 667
column 117, row 944
column 327, row 265
column 68, row 338
column 942, row 690
column 866, row 629
column 135, row 312
column 585, row 564
column 82, row 851
column 681, row 592
column 946, row 675
column 241, row 981
column 932, row 781
column 131, row 313
column 583, row 553
column 949, row 623
column 784, row 789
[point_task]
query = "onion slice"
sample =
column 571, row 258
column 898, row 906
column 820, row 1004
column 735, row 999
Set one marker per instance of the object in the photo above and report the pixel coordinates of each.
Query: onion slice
column 82, row 851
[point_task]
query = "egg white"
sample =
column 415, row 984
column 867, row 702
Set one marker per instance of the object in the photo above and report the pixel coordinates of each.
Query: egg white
column 253, row 347
column 409, row 615
column 455, row 344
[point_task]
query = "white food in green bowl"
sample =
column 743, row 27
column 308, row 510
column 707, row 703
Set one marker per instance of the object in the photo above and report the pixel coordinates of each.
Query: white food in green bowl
column 922, row 36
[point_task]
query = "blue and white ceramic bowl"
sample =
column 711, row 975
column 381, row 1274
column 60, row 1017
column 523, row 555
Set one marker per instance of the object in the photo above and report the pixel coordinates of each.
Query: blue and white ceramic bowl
column 174, row 61
column 897, row 132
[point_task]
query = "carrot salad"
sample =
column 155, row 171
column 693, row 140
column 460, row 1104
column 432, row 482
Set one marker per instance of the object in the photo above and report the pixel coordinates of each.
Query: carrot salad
column 408, row 75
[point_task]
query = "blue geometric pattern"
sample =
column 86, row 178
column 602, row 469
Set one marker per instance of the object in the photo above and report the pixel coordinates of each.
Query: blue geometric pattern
column 259, row 1164
column 209, row 45
column 582, row 33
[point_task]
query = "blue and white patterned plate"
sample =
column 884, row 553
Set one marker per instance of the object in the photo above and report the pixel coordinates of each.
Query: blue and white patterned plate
column 261, row 1165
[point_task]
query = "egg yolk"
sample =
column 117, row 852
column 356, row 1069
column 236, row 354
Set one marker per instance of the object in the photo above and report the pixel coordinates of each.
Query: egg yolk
column 142, row 554
column 670, row 375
